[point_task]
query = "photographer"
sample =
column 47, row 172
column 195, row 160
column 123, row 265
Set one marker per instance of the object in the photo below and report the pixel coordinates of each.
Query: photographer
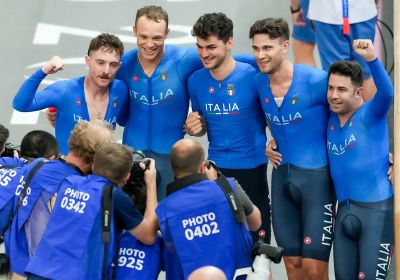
column 196, row 220
column 71, row 247
column 136, row 260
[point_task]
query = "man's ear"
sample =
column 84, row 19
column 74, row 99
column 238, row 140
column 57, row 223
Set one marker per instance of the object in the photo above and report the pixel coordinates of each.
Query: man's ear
column 358, row 92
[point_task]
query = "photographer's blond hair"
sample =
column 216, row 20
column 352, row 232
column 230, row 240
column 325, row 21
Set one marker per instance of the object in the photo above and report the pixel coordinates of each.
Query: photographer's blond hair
column 87, row 137
column 112, row 161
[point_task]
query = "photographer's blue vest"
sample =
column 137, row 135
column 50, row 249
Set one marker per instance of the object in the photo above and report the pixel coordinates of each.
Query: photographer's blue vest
column 137, row 260
column 48, row 178
column 71, row 247
column 199, row 229
column 12, row 162
column 11, row 185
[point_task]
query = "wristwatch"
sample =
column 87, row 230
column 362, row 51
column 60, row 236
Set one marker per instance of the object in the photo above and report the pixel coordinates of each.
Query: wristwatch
column 293, row 11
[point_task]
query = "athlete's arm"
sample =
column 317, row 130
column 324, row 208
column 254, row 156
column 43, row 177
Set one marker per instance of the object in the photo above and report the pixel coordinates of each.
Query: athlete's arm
column 146, row 231
column 195, row 124
column 377, row 108
column 246, row 58
column 27, row 99
column 253, row 215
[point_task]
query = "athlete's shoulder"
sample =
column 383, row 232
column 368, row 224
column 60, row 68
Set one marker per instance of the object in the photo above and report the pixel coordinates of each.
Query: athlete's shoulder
column 312, row 74
column 128, row 56
column 199, row 77
column 118, row 87
column 177, row 53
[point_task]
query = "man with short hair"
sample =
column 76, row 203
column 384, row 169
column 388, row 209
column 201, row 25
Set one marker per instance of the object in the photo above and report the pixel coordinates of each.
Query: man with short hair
column 33, row 215
column 225, row 105
column 358, row 145
column 72, row 247
column 4, row 134
column 293, row 97
column 197, row 223
column 96, row 96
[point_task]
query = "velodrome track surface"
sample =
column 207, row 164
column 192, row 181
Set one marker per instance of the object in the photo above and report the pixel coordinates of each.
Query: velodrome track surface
column 33, row 31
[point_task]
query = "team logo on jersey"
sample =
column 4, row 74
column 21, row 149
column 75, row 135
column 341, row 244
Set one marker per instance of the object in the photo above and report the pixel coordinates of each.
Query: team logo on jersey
column 211, row 90
column 341, row 148
column 295, row 100
column 164, row 76
column 115, row 103
column 222, row 109
column 284, row 119
column 135, row 78
column 332, row 128
column 231, row 89
column 351, row 123
column 307, row 240
column 266, row 99
column 78, row 102
column 384, row 258
column 361, row 275
column 155, row 99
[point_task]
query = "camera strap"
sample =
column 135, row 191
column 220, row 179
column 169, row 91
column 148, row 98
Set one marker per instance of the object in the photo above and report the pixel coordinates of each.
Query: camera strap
column 235, row 206
column 106, row 212
column 23, row 193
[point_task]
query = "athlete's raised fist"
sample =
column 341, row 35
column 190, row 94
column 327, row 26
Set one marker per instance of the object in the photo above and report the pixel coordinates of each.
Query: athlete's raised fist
column 53, row 65
column 365, row 49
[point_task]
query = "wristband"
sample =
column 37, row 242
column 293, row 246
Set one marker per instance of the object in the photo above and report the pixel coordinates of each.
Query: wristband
column 293, row 11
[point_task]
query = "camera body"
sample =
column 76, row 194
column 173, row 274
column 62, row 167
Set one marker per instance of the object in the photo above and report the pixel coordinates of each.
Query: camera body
column 4, row 264
column 9, row 149
column 136, row 178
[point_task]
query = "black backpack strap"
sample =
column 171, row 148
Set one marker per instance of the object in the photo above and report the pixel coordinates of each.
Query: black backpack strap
column 106, row 212
column 233, row 202
column 23, row 193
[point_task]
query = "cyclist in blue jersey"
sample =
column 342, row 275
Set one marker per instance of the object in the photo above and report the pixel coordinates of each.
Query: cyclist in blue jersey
column 156, row 76
column 95, row 96
column 293, row 97
column 225, row 105
column 358, row 147
column 33, row 215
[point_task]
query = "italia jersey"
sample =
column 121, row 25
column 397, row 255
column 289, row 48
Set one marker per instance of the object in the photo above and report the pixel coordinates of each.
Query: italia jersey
column 158, row 104
column 69, row 98
column 233, row 115
column 47, row 179
column 358, row 151
column 299, row 125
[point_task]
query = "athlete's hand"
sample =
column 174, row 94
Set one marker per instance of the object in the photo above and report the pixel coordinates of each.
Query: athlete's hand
column 390, row 170
column 150, row 173
column 274, row 157
column 365, row 49
column 53, row 65
column 195, row 124
column 298, row 18
column 210, row 171
column 51, row 116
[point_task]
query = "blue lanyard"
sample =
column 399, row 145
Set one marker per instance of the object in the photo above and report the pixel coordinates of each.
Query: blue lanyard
column 346, row 23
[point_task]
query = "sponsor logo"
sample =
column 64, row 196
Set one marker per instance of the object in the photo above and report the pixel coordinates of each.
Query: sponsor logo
column 135, row 78
column 266, row 100
column 211, row 90
column 361, row 275
column 307, row 240
column 78, row 102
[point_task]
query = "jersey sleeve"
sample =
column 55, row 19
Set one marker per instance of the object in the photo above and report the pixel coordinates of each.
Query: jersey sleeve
column 127, row 215
column 246, row 58
column 378, row 107
column 319, row 86
column 193, row 98
column 189, row 63
column 28, row 99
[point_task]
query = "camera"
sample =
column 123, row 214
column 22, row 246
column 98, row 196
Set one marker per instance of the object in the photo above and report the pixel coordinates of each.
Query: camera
column 4, row 264
column 9, row 149
column 136, row 178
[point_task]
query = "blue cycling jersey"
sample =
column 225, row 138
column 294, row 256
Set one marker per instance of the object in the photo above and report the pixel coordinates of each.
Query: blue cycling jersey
column 158, row 104
column 299, row 125
column 235, row 123
column 69, row 98
column 358, row 151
